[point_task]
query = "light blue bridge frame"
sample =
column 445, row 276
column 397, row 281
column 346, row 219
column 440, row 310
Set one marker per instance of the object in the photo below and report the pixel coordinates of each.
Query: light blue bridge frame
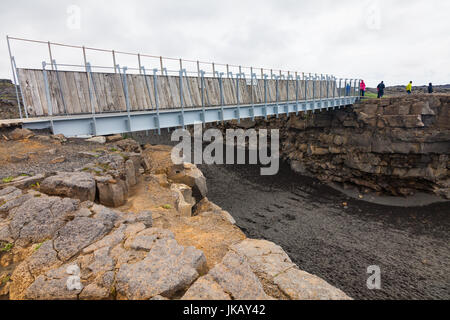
column 114, row 123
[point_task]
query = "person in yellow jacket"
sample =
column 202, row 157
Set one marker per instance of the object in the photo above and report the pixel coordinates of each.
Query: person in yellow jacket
column 409, row 88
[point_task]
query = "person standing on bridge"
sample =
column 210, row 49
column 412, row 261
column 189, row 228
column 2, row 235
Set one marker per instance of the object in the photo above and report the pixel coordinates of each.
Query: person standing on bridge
column 380, row 89
column 409, row 88
column 430, row 88
column 347, row 89
column 362, row 88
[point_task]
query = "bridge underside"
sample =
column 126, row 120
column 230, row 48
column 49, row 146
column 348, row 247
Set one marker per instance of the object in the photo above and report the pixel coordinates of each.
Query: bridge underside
column 114, row 123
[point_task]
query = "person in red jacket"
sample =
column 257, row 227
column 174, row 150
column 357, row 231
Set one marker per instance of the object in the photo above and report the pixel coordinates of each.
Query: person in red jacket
column 362, row 88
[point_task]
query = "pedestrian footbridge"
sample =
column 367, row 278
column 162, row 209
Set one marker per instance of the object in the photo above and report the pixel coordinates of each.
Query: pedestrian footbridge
column 87, row 99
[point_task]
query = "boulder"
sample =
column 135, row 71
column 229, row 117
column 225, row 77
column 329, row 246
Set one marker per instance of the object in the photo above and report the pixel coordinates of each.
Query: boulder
column 40, row 218
column 317, row 151
column 370, row 109
column 205, row 206
column 297, row 123
column 422, row 108
column 82, row 232
column 129, row 145
column 147, row 238
column 274, row 266
column 130, row 173
column 167, row 269
column 191, row 176
column 21, row 134
column 52, row 286
column 369, row 120
column 6, row 206
column 58, row 160
column 185, row 201
column 94, row 292
column 110, row 240
column 16, row 158
column 99, row 140
column 114, row 138
column 112, row 192
column 78, row 185
column 414, row 121
column 159, row 158
column 236, row 278
column 206, row 288
column 25, row 182
column 144, row 217
column 9, row 193
column 396, row 110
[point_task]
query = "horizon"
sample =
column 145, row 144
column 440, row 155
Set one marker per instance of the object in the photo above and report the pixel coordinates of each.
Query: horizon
column 370, row 40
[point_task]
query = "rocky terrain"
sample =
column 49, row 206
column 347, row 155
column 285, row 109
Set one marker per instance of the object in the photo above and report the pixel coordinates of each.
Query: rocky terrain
column 398, row 145
column 129, row 224
column 8, row 100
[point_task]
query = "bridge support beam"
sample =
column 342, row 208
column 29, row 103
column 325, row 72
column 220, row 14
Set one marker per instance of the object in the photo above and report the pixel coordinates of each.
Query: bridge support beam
column 116, row 123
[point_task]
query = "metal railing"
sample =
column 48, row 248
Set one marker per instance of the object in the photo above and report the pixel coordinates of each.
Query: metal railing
column 350, row 88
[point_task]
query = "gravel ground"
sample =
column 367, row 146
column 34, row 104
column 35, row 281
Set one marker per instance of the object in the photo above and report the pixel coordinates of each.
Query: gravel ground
column 41, row 154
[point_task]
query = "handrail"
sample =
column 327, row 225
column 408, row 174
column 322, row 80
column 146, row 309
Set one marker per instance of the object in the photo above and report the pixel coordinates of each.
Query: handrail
column 114, row 52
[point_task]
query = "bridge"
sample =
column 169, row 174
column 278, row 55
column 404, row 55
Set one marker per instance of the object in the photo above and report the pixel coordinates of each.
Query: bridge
column 87, row 99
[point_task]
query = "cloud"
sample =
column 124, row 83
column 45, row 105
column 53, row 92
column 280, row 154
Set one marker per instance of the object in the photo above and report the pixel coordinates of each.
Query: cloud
column 394, row 41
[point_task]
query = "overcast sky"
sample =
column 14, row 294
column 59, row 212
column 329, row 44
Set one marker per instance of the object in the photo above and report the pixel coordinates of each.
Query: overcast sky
column 395, row 41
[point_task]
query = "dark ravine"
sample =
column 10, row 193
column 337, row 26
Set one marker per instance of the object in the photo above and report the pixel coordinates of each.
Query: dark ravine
column 309, row 220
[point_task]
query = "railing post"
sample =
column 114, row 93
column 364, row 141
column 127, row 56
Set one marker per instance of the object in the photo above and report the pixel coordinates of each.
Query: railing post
column 289, row 78
column 345, row 88
column 238, row 97
column 222, row 102
column 155, row 87
column 276, row 94
column 60, row 86
column 20, row 89
column 91, row 98
column 15, row 80
column 139, row 63
column 181, row 98
column 253, row 76
column 84, row 57
column 305, row 79
column 50, row 53
column 127, row 97
column 47, row 94
column 265, row 96
column 202, row 86
column 162, row 65
column 147, row 85
column 328, row 86
column 327, row 78
column 320, row 92
column 297, row 78
column 314, row 91
column 114, row 60
column 334, row 88
column 359, row 88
